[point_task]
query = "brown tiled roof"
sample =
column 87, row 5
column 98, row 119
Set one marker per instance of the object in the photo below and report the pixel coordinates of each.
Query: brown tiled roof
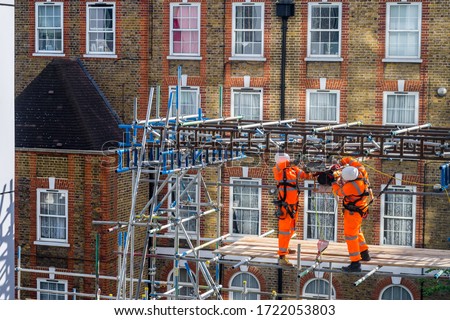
column 62, row 108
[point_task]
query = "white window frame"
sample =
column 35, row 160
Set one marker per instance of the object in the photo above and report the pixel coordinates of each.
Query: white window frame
column 249, row 290
column 308, row 105
column 198, row 29
column 244, row 91
column 95, row 53
column 244, row 56
column 413, row 213
column 317, row 295
column 51, row 241
column 323, row 57
column 171, row 286
column 308, row 184
column 37, row 28
column 393, row 58
column 245, row 181
column 195, row 204
column 392, row 93
column 395, row 285
column 40, row 281
column 194, row 90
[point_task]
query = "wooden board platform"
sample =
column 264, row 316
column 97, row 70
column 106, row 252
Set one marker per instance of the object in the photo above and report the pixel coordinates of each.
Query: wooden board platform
column 337, row 253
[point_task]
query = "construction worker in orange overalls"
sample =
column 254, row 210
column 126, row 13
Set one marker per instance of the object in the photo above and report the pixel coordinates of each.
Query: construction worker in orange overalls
column 287, row 178
column 353, row 185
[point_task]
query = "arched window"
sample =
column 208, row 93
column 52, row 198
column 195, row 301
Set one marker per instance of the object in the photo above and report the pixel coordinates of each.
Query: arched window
column 318, row 288
column 396, row 292
column 183, row 278
column 252, row 285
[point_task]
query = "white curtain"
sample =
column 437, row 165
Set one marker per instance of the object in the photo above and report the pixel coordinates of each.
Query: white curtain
column 404, row 31
column 247, row 105
column 400, row 109
column 188, row 103
column 53, row 215
column 245, row 208
column 321, row 216
column 323, row 106
column 398, row 220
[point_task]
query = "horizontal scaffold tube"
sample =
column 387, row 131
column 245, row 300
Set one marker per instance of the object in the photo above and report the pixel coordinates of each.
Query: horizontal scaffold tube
column 337, row 126
column 426, row 125
column 262, row 124
column 195, row 122
column 203, row 245
column 190, row 116
column 172, row 224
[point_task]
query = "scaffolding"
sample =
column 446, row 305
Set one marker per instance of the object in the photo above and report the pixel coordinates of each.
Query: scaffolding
column 166, row 149
column 171, row 153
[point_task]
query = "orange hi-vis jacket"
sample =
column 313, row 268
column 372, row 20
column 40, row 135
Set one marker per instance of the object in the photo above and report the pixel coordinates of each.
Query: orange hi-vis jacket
column 287, row 178
column 355, row 192
column 356, row 196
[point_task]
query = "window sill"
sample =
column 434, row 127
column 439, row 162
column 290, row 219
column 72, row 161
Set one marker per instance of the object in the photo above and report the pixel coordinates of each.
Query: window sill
column 324, row 59
column 184, row 58
column 262, row 59
column 401, row 60
column 51, row 244
column 103, row 56
column 45, row 54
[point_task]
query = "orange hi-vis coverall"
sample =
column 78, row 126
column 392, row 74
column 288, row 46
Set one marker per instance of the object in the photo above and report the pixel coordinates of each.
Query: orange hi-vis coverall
column 287, row 178
column 355, row 193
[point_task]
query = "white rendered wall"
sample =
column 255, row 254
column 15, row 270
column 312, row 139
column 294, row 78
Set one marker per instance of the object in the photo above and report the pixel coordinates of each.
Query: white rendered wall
column 7, row 149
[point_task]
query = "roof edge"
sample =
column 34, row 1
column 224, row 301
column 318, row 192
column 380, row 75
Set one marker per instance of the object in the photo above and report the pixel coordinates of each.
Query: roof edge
column 100, row 92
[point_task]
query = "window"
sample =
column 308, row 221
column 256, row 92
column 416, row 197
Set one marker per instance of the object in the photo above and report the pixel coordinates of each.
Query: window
column 403, row 24
column 52, row 215
column 245, row 206
column 49, row 27
column 189, row 198
column 101, row 28
column 318, row 288
column 183, row 279
column 53, row 285
column 252, row 286
column 401, row 108
column 185, row 29
column 320, row 214
column 396, row 292
column 248, row 29
column 322, row 105
column 324, row 37
column 247, row 103
column 398, row 217
column 189, row 101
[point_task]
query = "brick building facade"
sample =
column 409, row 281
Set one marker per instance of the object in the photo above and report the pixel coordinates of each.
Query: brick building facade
column 353, row 54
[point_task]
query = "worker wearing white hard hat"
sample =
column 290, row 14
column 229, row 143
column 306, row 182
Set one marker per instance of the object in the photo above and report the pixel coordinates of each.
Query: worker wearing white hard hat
column 353, row 186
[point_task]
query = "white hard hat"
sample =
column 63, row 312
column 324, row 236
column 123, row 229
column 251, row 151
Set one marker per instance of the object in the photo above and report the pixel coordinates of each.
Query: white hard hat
column 350, row 173
column 281, row 157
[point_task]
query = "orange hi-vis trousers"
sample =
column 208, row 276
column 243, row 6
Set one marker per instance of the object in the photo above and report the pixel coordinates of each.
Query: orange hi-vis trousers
column 286, row 228
column 356, row 243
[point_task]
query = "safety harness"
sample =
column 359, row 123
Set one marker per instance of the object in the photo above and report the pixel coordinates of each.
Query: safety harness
column 291, row 209
column 351, row 206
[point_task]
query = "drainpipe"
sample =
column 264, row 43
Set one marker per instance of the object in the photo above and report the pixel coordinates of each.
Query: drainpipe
column 285, row 9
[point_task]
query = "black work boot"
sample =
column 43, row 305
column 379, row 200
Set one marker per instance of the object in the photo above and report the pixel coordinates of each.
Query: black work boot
column 353, row 267
column 365, row 256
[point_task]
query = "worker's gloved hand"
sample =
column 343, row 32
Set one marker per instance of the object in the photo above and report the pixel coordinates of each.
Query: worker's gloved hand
column 325, row 178
column 335, row 167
